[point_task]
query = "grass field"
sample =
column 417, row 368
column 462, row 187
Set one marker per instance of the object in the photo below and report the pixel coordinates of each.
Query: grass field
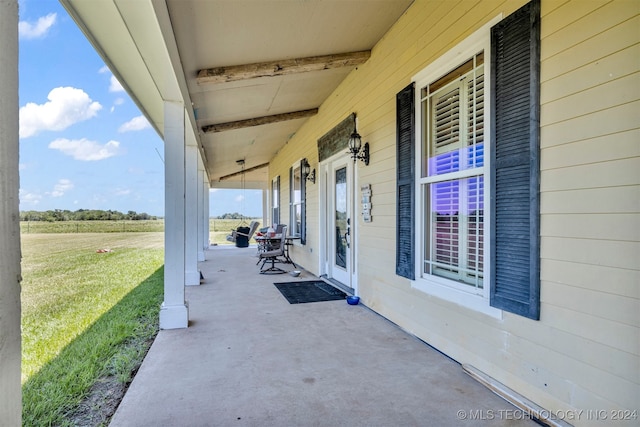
column 87, row 317
column 38, row 227
column 91, row 294
column 218, row 228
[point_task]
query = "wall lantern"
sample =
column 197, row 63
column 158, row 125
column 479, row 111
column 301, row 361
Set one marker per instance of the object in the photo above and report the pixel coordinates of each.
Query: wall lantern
column 308, row 174
column 355, row 144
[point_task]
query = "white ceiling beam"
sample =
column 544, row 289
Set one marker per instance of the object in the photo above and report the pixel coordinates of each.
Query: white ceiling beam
column 282, row 67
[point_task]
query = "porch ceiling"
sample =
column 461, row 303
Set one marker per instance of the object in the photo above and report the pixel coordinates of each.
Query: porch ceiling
column 198, row 35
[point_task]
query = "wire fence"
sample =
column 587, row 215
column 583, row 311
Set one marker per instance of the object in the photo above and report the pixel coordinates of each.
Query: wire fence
column 34, row 227
column 218, row 228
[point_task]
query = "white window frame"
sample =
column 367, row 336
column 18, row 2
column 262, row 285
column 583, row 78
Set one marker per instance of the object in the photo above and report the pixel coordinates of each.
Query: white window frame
column 440, row 287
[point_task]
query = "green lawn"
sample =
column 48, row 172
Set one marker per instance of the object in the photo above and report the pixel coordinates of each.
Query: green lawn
column 90, row 307
column 86, row 316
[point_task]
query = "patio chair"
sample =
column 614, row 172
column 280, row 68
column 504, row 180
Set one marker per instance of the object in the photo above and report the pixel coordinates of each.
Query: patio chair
column 279, row 230
column 242, row 239
column 253, row 226
column 272, row 254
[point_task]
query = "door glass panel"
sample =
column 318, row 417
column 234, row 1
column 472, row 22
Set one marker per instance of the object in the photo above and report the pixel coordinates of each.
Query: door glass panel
column 341, row 217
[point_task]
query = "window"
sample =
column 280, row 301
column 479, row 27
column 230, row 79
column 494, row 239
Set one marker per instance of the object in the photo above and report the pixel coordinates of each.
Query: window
column 275, row 200
column 453, row 98
column 477, row 148
column 297, row 200
column 453, row 174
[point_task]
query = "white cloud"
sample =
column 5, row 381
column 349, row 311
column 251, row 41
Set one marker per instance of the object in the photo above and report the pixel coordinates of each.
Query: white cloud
column 29, row 198
column 116, row 102
column 22, row 166
column 61, row 187
column 66, row 106
column 86, row 150
column 28, row 30
column 122, row 192
column 239, row 198
column 115, row 85
column 137, row 123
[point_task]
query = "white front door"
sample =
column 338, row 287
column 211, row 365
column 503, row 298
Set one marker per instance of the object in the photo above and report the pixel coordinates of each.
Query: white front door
column 340, row 221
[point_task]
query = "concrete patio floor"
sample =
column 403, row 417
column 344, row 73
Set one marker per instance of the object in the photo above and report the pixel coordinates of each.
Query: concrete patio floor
column 249, row 358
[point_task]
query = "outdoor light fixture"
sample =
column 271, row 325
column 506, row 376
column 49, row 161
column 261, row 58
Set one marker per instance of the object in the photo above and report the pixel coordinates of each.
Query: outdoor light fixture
column 355, row 145
column 310, row 175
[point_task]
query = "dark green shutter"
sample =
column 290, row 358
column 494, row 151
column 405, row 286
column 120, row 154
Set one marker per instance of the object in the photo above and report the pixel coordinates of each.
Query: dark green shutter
column 515, row 241
column 405, row 158
column 292, row 217
column 303, row 206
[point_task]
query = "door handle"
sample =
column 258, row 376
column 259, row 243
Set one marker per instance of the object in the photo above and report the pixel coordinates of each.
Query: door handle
column 347, row 236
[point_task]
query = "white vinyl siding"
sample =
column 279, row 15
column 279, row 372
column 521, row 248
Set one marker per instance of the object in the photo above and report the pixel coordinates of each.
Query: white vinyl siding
column 583, row 352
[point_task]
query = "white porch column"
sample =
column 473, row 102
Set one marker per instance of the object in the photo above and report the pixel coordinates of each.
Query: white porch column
column 174, row 312
column 10, row 340
column 201, row 214
column 191, row 273
column 207, row 231
column 266, row 218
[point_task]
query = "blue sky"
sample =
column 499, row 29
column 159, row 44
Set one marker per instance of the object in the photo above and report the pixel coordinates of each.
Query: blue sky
column 83, row 142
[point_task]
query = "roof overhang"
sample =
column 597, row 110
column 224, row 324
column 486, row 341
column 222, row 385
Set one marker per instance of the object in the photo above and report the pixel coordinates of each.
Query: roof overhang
column 249, row 72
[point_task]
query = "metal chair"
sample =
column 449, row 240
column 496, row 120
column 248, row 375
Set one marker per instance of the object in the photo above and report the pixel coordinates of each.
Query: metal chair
column 272, row 254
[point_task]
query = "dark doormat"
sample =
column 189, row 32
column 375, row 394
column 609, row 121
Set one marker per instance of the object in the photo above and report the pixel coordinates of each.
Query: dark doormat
column 309, row 291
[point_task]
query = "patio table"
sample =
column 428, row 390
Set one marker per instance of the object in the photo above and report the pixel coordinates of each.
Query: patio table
column 265, row 243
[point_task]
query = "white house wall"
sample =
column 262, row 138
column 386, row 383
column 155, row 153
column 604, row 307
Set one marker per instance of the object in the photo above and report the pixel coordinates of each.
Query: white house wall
column 584, row 352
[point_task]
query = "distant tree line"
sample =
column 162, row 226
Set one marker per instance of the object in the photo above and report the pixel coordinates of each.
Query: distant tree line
column 234, row 215
column 83, row 215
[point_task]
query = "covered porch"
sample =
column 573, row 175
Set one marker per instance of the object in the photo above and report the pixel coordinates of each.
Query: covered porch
column 228, row 85
column 251, row 358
